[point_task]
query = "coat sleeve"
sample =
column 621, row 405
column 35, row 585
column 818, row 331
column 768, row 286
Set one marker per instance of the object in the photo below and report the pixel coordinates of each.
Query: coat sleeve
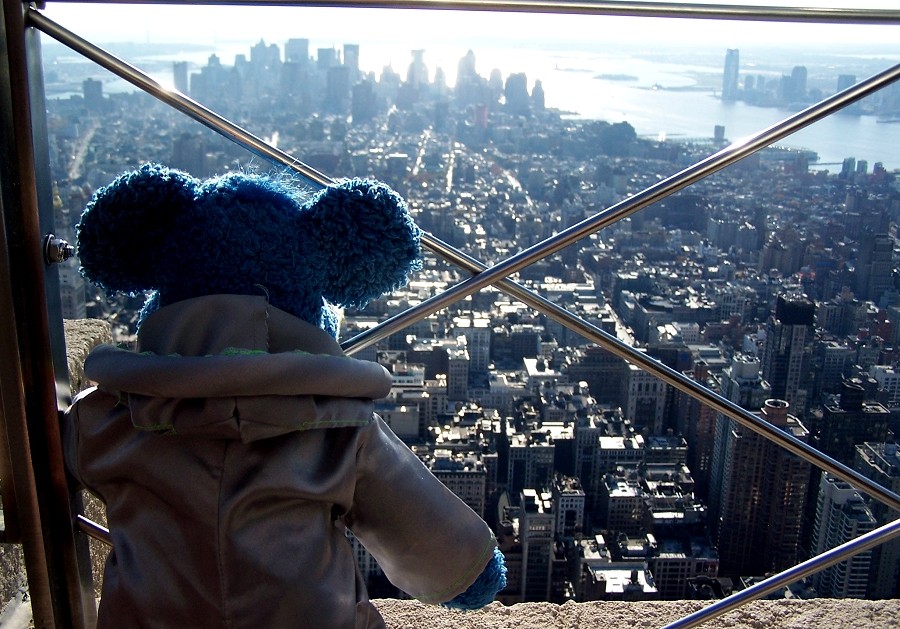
column 429, row 543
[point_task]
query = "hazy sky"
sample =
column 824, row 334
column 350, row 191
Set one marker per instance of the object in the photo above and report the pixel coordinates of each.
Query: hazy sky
column 329, row 26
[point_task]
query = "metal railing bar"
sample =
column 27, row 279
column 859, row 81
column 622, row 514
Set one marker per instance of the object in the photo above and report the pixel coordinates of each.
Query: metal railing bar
column 820, row 562
column 94, row 530
column 690, row 175
column 570, row 7
column 219, row 124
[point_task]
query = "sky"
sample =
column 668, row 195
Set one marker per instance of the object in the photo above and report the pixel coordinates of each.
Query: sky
column 104, row 23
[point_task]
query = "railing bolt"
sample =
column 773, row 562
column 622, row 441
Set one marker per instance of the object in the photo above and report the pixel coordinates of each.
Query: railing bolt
column 57, row 250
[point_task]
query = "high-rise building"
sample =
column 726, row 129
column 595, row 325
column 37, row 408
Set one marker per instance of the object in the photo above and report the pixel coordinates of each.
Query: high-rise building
column 92, row 90
column 478, row 332
column 568, row 506
column 464, row 475
column 458, row 372
column 180, row 76
column 761, row 496
column 841, row 515
column 845, row 81
column 880, row 462
column 730, row 74
column 536, row 536
column 516, row 93
column 874, row 265
column 297, row 51
column 351, row 61
column 645, row 399
column 189, row 154
column 417, row 75
column 742, row 384
column 851, row 421
column 787, row 353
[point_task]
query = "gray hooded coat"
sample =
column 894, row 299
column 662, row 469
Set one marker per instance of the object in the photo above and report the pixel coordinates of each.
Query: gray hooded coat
column 232, row 450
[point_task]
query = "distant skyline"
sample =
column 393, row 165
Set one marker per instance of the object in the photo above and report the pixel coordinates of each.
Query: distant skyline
column 105, row 23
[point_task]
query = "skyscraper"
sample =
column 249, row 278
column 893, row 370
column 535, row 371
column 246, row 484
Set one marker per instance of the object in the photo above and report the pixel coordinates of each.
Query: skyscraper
column 874, row 266
column 880, row 462
column 787, row 354
column 730, row 74
column 761, row 496
column 536, row 536
column 742, row 384
column 841, row 515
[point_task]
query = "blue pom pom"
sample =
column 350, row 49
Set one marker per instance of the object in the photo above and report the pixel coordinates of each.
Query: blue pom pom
column 125, row 230
column 491, row 580
column 366, row 240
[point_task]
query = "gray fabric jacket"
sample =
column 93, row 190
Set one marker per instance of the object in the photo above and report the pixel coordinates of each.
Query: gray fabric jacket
column 231, row 451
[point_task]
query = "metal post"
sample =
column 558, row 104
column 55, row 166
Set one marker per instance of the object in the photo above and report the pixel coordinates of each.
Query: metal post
column 760, row 13
column 31, row 392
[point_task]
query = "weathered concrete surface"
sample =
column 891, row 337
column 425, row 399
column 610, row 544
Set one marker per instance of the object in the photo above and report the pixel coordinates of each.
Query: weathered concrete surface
column 783, row 614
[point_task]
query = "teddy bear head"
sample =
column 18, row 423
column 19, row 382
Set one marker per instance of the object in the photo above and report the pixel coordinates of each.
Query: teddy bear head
column 162, row 231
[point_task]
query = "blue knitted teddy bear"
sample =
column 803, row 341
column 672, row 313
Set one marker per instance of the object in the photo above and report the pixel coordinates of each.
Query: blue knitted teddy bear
column 161, row 231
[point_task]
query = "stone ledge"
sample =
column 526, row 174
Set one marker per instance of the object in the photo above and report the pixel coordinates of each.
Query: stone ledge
column 780, row 614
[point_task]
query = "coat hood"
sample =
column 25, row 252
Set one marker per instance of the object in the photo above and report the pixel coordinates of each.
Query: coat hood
column 235, row 367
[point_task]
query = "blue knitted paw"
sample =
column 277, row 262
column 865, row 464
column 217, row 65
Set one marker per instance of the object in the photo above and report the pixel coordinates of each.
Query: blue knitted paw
column 491, row 580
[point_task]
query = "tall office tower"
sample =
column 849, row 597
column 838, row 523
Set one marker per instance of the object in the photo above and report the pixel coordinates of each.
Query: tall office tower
column 180, row 76
column 536, row 536
column 189, row 154
column 798, row 83
column 515, row 91
column 845, row 81
column 851, row 421
column 848, row 167
column 568, row 506
column 264, row 56
column 742, row 384
column 538, row 97
column 787, row 353
column 588, row 431
column 645, row 399
column 296, row 50
column 458, row 372
column 417, row 75
column 699, row 428
column 761, row 496
column 351, row 61
column 464, row 475
column 337, row 90
column 92, row 90
column 874, row 266
column 880, row 462
column 326, row 58
column 72, row 294
column 363, row 102
column 841, row 515
column 529, row 463
column 602, row 370
column 832, row 359
column 730, row 74
column 478, row 332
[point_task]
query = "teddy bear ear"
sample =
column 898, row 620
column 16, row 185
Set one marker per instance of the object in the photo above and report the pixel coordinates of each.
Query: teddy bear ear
column 128, row 226
column 365, row 238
